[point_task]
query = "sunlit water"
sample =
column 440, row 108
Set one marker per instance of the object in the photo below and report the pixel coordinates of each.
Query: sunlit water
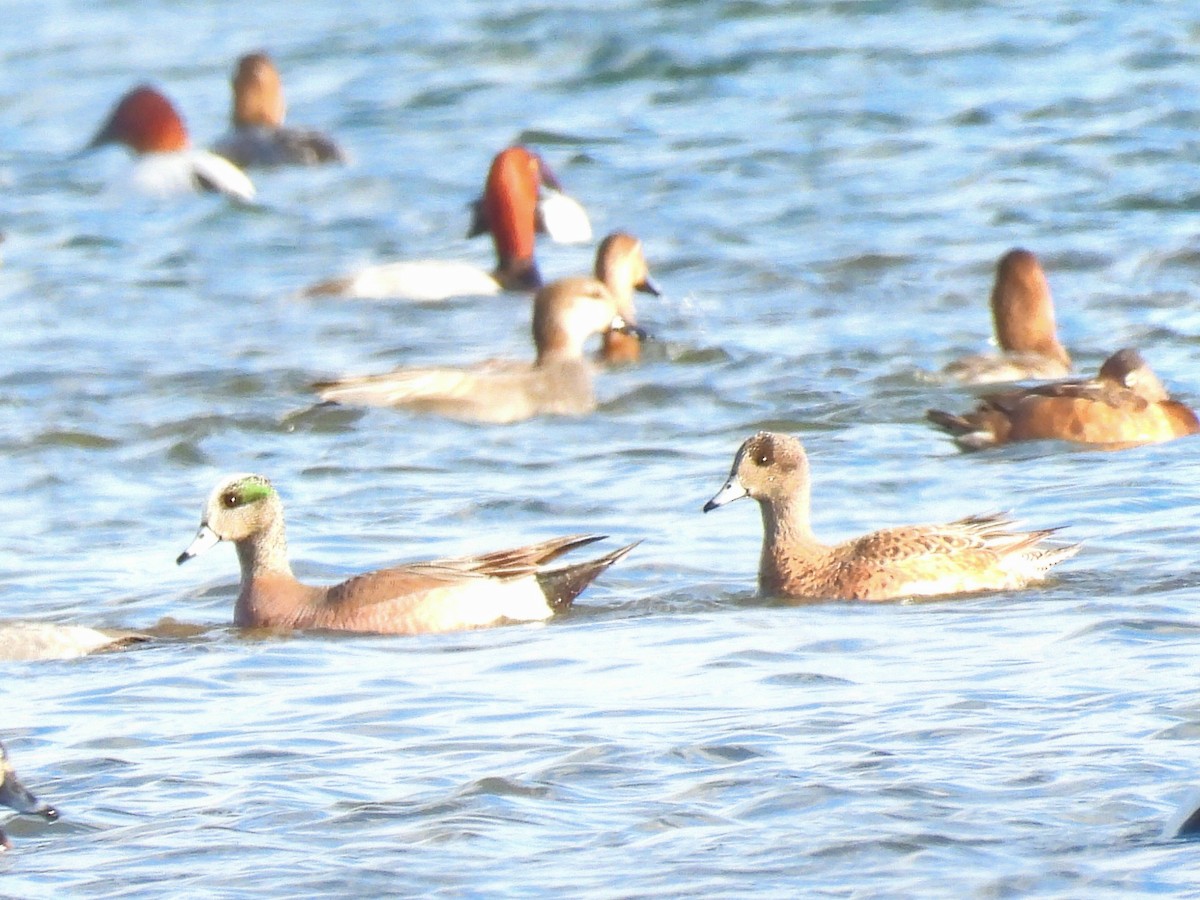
column 823, row 190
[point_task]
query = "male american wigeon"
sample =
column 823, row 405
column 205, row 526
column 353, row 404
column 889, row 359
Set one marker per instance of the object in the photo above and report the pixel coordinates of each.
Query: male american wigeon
column 416, row 598
column 566, row 313
column 513, row 210
column 258, row 136
column 1023, row 315
column 980, row 553
column 16, row 796
column 1123, row 406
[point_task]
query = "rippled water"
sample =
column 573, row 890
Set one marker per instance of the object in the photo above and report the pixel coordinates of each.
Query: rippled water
column 823, row 189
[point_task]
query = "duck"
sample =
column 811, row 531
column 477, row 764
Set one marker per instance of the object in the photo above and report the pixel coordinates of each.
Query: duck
column 146, row 122
column 15, row 795
column 511, row 212
column 416, row 598
column 257, row 136
column 23, row 641
column 1125, row 405
column 1023, row 315
column 566, row 313
column 978, row 553
column 621, row 267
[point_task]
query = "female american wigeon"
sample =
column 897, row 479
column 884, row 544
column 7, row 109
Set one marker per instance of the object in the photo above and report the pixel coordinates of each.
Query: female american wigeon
column 258, row 136
column 566, row 313
column 16, row 796
column 1023, row 315
column 512, row 210
column 980, row 553
column 417, row 598
column 1123, row 406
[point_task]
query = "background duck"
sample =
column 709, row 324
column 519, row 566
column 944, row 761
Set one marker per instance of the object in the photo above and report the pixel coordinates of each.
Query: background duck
column 980, row 553
column 1023, row 316
column 566, row 313
column 258, row 136
column 417, row 598
column 509, row 212
column 146, row 122
column 621, row 267
column 1124, row 405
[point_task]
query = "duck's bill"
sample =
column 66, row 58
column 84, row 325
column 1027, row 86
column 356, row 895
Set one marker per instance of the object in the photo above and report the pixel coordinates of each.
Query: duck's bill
column 650, row 286
column 731, row 491
column 16, row 796
column 563, row 219
column 620, row 326
column 205, row 539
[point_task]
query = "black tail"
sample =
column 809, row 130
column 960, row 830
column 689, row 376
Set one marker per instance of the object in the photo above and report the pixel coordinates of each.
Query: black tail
column 562, row 585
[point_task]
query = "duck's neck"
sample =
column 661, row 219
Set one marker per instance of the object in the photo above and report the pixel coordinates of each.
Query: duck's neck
column 517, row 273
column 265, row 553
column 789, row 545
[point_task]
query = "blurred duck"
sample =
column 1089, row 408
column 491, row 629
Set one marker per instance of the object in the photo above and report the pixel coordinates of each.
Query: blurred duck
column 514, row 207
column 566, row 313
column 48, row 640
column 621, row 267
column 1123, row 406
column 1023, row 314
column 258, row 136
column 146, row 122
column 980, row 553
column 417, row 598
column 16, row 796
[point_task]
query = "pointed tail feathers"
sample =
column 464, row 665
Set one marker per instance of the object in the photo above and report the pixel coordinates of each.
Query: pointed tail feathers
column 562, row 585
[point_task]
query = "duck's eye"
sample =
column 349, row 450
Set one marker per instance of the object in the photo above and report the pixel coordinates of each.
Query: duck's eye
column 230, row 500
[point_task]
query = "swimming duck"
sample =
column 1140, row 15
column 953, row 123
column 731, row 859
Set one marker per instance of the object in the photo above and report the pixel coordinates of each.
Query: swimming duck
column 47, row 640
column 979, row 553
column 416, row 598
column 258, row 136
column 146, row 122
column 621, row 267
column 16, row 796
column 566, row 313
column 1123, row 406
column 509, row 210
column 1023, row 315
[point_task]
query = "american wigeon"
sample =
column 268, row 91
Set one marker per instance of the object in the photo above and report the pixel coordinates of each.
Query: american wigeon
column 1123, row 406
column 508, row 211
column 16, row 796
column 258, row 136
column 1023, row 315
column 416, row 598
column 621, row 267
column 147, row 123
column 973, row 554
column 566, row 313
